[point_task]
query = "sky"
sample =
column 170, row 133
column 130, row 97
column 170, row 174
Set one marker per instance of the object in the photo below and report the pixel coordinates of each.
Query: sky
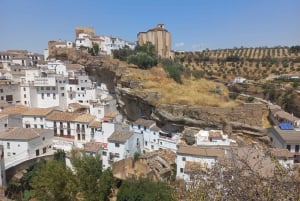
column 194, row 24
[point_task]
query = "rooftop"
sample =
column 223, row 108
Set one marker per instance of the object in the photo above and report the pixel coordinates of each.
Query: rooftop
column 198, row 151
column 95, row 123
column 120, row 136
column 289, row 136
column 70, row 116
column 23, row 134
column 92, row 147
column 281, row 153
column 37, row 111
column 17, row 110
column 144, row 122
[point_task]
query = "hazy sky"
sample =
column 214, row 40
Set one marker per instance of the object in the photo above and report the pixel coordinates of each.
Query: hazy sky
column 194, row 24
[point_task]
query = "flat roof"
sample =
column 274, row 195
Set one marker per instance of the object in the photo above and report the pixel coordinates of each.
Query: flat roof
column 289, row 136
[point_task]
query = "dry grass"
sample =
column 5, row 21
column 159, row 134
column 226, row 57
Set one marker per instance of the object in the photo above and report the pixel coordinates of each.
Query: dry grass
column 191, row 92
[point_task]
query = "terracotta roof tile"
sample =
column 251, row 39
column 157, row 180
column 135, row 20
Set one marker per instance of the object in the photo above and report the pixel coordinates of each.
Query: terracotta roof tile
column 92, row 147
column 198, row 151
column 70, row 116
column 281, row 153
column 120, row 136
column 95, row 123
column 37, row 111
column 22, row 133
column 144, row 122
column 18, row 109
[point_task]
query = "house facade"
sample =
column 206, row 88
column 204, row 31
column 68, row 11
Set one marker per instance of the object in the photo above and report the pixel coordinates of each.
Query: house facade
column 201, row 158
column 21, row 144
column 286, row 139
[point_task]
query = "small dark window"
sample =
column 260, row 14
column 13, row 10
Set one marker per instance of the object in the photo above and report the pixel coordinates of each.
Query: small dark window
column 288, row 147
column 183, row 158
column 117, row 145
column 181, row 170
column 297, row 148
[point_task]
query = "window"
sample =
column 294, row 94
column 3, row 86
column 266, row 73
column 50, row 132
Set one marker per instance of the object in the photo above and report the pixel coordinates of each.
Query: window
column 183, row 158
column 42, row 95
column 78, row 136
column 44, row 150
column 24, row 89
column 8, row 145
column 34, row 118
column 53, row 88
column 117, row 145
column 2, row 98
column 181, row 170
column 48, row 95
column 54, row 96
column 146, row 143
column 104, row 153
column 297, row 148
column 288, row 147
column 144, row 128
column 82, row 88
column 43, row 138
column 62, row 94
column 1, row 90
column 42, row 126
column 152, row 147
column 62, row 88
column 85, row 80
column 25, row 102
column 41, row 118
column 24, row 95
column 35, row 126
column 37, row 152
column 42, row 88
column 47, row 88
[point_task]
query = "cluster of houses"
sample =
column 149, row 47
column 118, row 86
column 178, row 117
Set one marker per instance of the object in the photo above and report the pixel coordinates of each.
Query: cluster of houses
column 51, row 106
column 85, row 38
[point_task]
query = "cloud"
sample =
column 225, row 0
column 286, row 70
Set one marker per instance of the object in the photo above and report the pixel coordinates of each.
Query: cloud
column 180, row 44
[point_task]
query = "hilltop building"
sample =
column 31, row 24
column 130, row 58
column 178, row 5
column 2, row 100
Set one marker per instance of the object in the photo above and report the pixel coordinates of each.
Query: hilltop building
column 160, row 38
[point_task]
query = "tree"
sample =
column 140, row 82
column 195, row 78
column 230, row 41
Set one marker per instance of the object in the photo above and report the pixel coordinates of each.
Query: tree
column 54, row 182
column 94, row 184
column 142, row 60
column 144, row 190
column 255, row 176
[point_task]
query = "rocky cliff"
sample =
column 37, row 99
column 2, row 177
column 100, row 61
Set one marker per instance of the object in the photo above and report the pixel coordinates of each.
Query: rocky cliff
column 134, row 103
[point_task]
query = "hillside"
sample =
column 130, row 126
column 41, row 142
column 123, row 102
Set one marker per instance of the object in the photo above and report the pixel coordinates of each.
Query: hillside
column 251, row 63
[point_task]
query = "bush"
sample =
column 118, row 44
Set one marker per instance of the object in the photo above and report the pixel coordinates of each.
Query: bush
column 142, row 60
column 174, row 70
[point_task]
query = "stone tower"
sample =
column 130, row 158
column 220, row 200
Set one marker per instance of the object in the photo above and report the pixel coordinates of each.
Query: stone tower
column 160, row 38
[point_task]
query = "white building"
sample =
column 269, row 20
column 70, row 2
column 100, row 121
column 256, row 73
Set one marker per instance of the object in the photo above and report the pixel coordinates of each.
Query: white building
column 286, row 139
column 195, row 158
column 284, row 157
column 83, row 40
column 153, row 137
column 35, row 117
column 57, row 86
column 9, row 92
column 239, row 80
column 110, row 43
column 21, row 144
column 121, row 144
column 71, row 127
column 212, row 138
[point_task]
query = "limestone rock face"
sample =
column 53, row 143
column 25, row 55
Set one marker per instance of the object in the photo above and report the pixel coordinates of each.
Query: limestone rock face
column 137, row 103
